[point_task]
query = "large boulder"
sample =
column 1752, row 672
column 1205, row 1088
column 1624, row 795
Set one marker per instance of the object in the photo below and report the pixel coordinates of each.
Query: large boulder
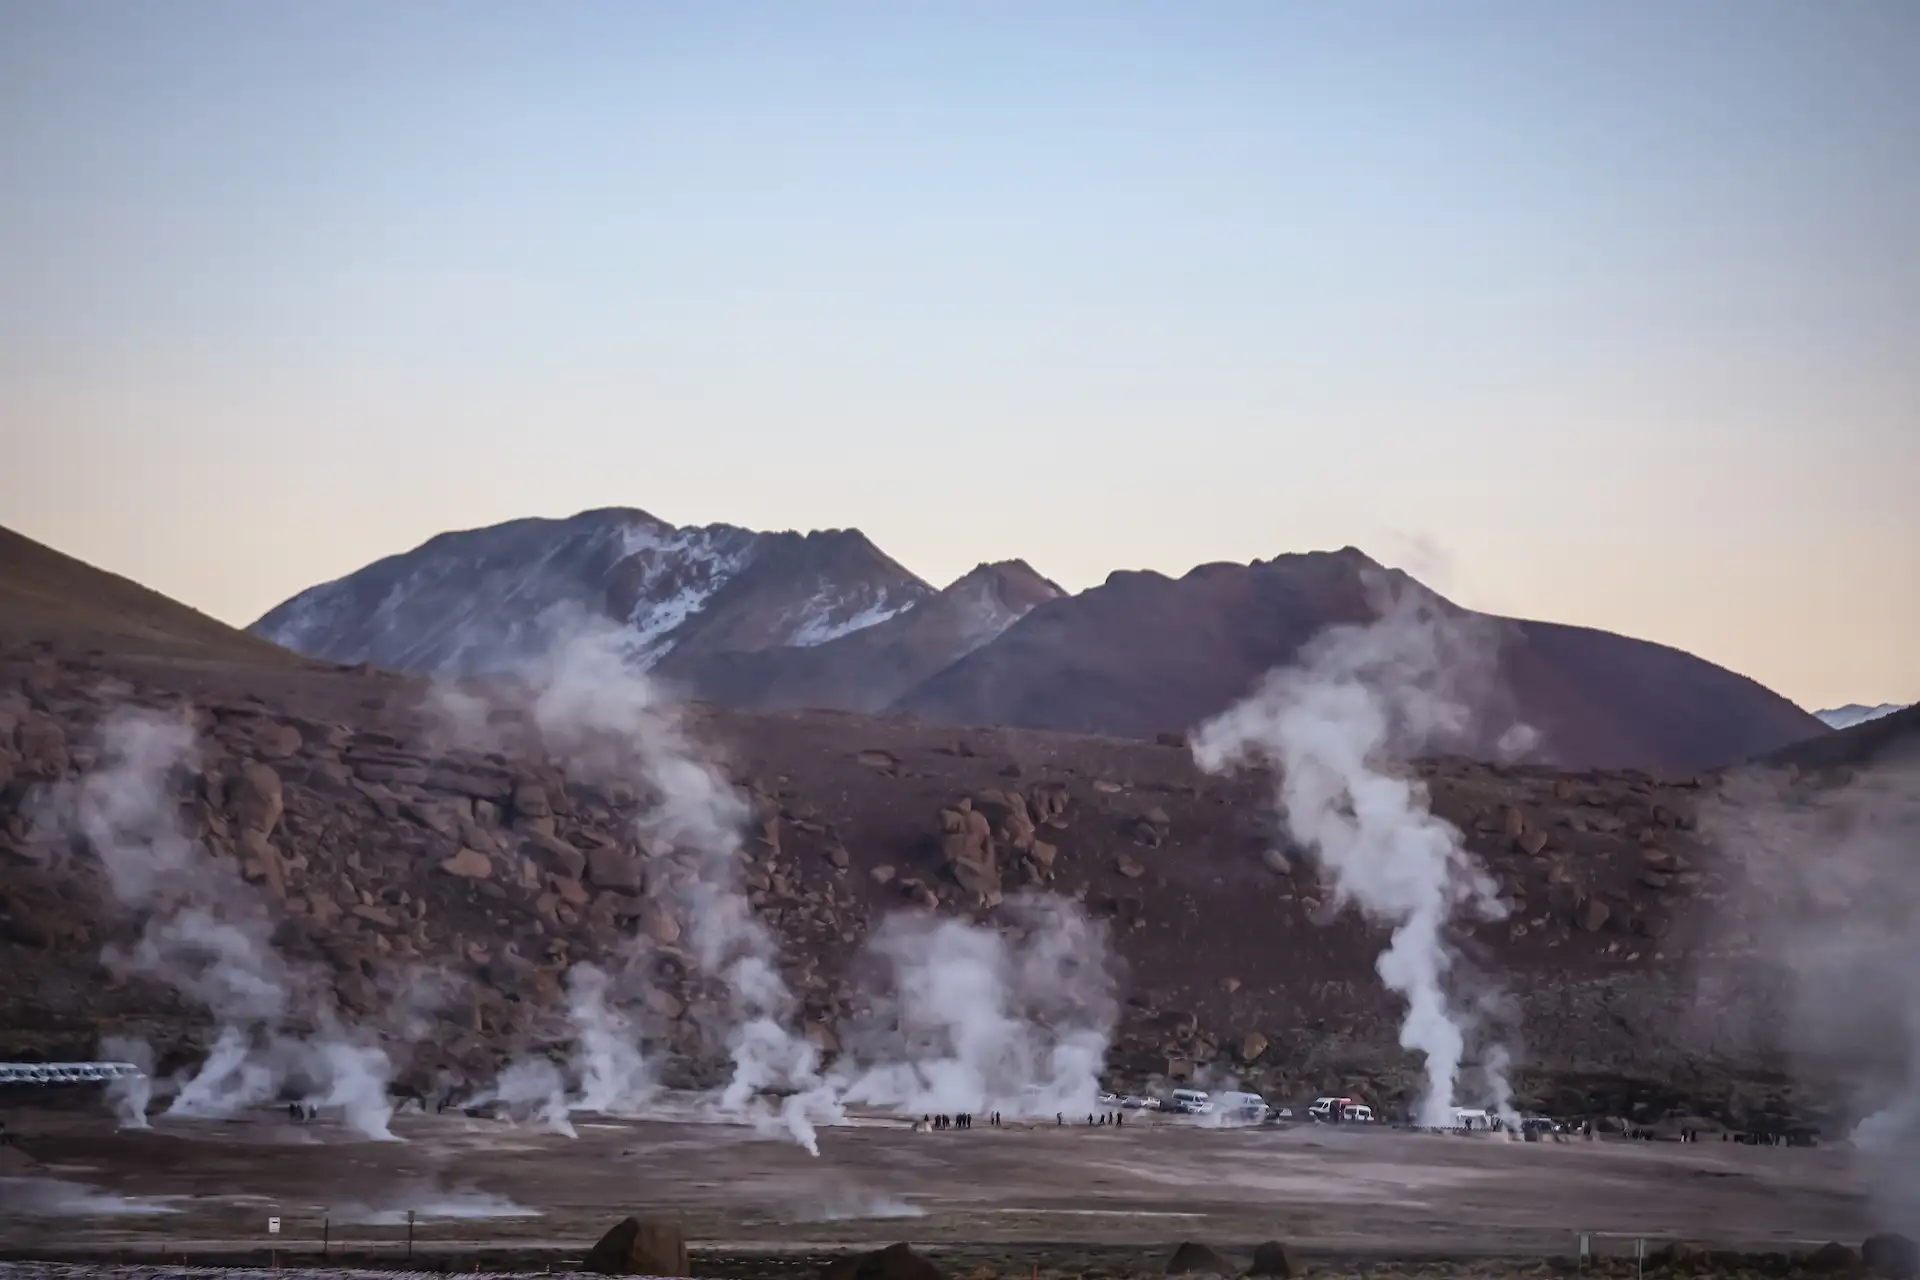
column 1195, row 1259
column 1832, row 1258
column 639, row 1248
column 895, row 1262
column 610, row 866
column 256, row 798
column 1891, row 1255
column 1272, row 1259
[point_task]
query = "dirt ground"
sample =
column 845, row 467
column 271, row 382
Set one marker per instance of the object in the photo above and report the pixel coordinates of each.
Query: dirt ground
column 1009, row 1199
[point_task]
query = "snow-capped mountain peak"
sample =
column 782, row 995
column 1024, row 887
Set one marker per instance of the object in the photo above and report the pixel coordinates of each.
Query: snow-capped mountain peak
column 484, row 599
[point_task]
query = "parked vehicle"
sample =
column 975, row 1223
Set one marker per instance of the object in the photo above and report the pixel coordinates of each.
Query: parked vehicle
column 1328, row 1110
column 1193, row 1102
column 1243, row 1106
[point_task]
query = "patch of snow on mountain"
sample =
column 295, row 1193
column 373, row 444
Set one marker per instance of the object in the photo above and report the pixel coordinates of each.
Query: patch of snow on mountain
column 818, row 626
column 700, row 561
column 1855, row 713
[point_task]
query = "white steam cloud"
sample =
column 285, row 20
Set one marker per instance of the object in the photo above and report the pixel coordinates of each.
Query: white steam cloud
column 206, row 933
column 970, row 1019
column 1825, row 884
column 974, row 1020
column 129, row 1096
column 593, row 705
column 1331, row 724
column 615, row 1075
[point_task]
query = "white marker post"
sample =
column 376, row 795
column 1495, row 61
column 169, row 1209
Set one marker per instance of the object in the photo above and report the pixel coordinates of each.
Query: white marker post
column 273, row 1255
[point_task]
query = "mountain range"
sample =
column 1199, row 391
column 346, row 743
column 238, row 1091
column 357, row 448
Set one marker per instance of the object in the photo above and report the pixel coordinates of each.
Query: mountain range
column 1854, row 713
column 826, row 620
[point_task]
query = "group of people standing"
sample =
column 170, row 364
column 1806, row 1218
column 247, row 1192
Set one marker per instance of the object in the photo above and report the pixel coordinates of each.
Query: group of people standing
column 960, row 1120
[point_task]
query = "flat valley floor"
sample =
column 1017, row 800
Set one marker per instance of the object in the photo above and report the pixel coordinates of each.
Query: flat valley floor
column 1016, row 1200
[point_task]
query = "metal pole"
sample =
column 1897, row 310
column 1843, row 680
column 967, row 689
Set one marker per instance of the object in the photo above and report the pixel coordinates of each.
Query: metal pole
column 326, row 1235
column 409, row 1235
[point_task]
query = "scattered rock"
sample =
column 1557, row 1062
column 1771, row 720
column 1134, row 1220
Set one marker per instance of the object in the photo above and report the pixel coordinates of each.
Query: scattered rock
column 1251, row 1047
column 611, row 867
column 1195, row 1259
column 1594, row 914
column 1129, row 866
column 875, row 758
column 256, row 797
column 1832, row 1258
column 636, row 1248
column 658, row 923
column 1891, row 1256
column 278, row 741
column 530, row 801
column 468, row 864
column 1272, row 1259
column 895, row 1262
column 882, row 874
column 43, row 747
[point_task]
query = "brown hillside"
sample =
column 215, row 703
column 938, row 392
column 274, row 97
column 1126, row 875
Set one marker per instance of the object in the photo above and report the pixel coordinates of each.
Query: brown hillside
column 51, row 598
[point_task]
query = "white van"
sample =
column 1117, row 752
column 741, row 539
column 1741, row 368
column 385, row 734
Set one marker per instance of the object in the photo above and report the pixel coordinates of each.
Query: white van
column 1328, row 1110
column 1244, row 1106
column 1192, row 1102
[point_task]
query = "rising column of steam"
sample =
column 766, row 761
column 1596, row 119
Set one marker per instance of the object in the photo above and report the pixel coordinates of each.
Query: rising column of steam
column 1021, row 1023
column 971, row 1019
column 595, row 707
column 206, row 933
column 1329, row 723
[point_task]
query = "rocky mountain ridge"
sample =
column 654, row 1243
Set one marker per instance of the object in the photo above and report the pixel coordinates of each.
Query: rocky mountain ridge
column 779, row 621
column 1856, row 713
column 485, row 599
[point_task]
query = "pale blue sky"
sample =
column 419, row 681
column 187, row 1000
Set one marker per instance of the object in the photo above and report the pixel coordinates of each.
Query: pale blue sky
column 1617, row 303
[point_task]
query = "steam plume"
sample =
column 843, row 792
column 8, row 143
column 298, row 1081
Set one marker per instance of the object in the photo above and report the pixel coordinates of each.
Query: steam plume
column 974, row 1018
column 1825, row 877
column 615, row 1075
column 206, row 933
column 129, row 1096
column 971, row 1019
column 1329, row 723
